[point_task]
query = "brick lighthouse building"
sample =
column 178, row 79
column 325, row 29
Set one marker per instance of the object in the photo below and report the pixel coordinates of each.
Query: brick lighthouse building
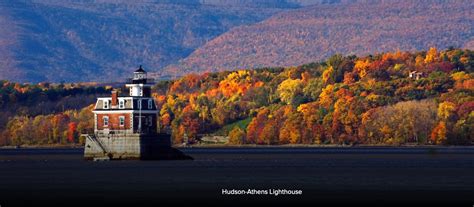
column 125, row 127
column 136, row 113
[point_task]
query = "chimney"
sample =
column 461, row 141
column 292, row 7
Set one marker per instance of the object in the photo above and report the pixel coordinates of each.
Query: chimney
column 114, row 98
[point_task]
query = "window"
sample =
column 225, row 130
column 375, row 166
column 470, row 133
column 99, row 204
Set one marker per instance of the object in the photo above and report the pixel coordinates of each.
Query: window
column 122, row 120
column 106, row 121
column 121, row 104
column 106, row 104
column 139, row 103
column 150, row 103
column 150, row 121
column 141, row 91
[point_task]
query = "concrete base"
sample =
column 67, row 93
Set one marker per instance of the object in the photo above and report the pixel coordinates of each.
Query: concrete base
column 131, row 146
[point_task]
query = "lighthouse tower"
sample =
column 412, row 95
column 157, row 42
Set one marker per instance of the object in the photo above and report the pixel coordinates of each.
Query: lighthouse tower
column 138, row 84
column 126, row 126
column 145, row 112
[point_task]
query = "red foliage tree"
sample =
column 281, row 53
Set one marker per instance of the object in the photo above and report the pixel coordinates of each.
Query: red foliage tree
column 71, row 132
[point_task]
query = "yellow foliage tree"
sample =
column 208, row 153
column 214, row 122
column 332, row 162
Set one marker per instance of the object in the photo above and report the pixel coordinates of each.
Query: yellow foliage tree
column 295, row 137
column 431, row 55
column 328, row 75
column 446, row 109
column 236, row 83
column 361, row 67
column 460, row 76
column 289, row 90
column 326, row 96
column 237, row 136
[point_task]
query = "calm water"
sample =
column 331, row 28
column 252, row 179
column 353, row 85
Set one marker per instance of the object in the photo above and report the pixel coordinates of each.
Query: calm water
column 325, row 175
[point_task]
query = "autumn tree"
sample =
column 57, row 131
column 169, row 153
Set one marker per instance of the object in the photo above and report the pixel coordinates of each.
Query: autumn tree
column 269, row 133
column 291, row 91
column 255, row 126
column 237, row 136
column 329, row 75
column 438, row 135
column 313, row 89
column 410, row 121
column 190, row 123
column 326, row 96
column 312, row 116
column 72, row 134
column 431, row 55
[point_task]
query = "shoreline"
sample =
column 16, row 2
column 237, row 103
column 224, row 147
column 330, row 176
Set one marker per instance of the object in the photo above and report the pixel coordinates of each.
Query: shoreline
column 317, row 146
column 43, row 147
column 210, row 146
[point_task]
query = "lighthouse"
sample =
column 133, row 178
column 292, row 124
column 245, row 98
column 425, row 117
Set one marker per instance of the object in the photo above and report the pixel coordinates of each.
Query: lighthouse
column 125, row 125
column 140, row 85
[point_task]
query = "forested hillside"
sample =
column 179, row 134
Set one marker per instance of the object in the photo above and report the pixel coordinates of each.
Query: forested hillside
column 393, row 98
column 352, row 27
column 77, row 40
column 46, row 113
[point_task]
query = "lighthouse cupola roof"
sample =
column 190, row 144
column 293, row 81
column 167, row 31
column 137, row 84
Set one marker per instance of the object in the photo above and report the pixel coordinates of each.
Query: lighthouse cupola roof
column 140, row 70
column 139, row 76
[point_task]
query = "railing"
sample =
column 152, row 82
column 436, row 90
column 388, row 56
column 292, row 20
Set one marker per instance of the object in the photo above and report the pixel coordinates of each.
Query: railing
column 113, row 132
column 123, row 132
column 144, row 81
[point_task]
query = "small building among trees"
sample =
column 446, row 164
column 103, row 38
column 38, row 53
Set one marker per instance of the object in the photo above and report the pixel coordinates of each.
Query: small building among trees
column 415, row 75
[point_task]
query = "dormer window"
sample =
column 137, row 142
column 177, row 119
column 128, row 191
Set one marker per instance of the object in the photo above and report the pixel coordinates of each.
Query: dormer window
column 121, row 104
column 150, row 104
column 106, row 104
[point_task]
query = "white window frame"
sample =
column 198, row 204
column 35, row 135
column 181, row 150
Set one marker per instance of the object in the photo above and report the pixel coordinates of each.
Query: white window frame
column 150, row 102
column 121, row 104
column 122, row 121
column 106, row 121
column 140, row 91
column 106, row 104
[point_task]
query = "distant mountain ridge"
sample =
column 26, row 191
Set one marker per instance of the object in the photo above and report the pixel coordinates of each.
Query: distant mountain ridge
column 81, row 40
column 76, row 41
column 351, row 27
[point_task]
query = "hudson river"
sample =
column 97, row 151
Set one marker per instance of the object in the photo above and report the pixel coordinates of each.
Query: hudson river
column 348, row 176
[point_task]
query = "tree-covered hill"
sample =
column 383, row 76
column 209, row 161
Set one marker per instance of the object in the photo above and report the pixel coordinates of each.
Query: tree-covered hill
column 424, row 97
column 41, row 112
column 386, row 98
column 352, row 27
column 80, row 40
